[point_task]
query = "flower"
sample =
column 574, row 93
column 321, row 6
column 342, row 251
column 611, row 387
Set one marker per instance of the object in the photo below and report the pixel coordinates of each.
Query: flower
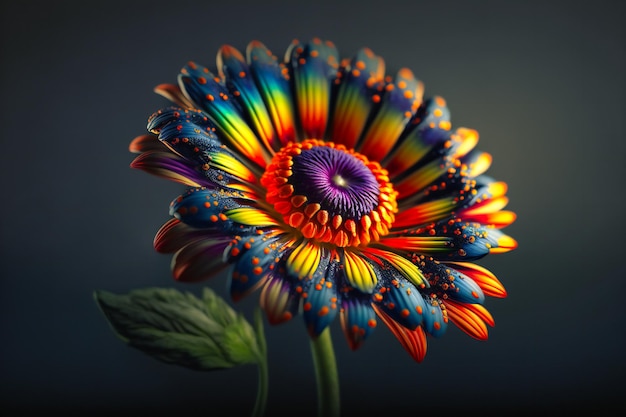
column 333, row 188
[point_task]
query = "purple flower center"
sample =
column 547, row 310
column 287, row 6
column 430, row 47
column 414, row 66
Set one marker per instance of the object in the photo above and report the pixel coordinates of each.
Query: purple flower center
column 338, row 181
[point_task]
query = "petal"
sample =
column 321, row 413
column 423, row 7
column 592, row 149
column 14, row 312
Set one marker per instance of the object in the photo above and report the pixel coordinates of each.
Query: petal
column 456, row 192
column 279, row 300
column 400, row 101
column 404, row 266
column 469, row 318
column 476, row 162
column 358, row 272
column 304, row 260
column 146, row 143
column 320, row 305
column 356, row 97
column 441, row 168
column 463, row 141
column 427, row 132
column 486, row 207
column 435, row 316
column 273, row 83
column 204, row 208
column 191, row 135
column 255, row 257
column 453, row 240
column 251, row 216
column 358, row 319
column 428, row 212
column 169, row 166
column 211, row 95
column 485, row 279
column 173, row 235
column 413, row 341
column 233, row 67
column 400, row 300
column 420, row 179
column 174, row 94
column 421, row 244
column 199, row 260
column 446, row 282
column 313, row 67
column 472, row 241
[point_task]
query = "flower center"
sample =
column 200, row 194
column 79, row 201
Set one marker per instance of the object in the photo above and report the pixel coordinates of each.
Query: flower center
column 330, row 194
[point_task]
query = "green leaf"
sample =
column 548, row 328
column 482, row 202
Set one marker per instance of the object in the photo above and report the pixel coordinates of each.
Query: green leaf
column 179, row 328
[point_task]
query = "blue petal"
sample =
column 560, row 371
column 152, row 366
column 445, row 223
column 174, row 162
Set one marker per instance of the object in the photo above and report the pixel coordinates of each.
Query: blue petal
column 433, row 114
column 358, row 319
column 320, row 305
column 186, row 133
column 470, row 241
column 254, row 257
column 204, row 208
column 400, row 299
column 448, row 282
column 435, row 320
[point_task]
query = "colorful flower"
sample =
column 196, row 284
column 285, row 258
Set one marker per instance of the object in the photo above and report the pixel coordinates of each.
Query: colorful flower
column 333, row 188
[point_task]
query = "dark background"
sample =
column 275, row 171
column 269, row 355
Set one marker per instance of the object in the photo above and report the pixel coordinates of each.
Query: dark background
column 543, row 82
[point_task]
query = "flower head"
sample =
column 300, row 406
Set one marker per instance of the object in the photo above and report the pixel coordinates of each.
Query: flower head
column 335, row 189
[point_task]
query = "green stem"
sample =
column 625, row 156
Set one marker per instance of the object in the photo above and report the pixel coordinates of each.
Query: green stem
column 261, row 395
column 326, row 375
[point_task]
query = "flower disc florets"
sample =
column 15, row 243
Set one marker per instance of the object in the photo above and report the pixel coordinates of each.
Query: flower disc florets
column 329, row 193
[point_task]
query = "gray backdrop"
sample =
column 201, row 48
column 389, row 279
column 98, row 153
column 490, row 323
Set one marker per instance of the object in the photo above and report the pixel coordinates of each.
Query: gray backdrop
column 543, row 82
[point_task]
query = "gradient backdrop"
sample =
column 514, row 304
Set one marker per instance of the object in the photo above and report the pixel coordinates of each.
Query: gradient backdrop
column 543, row 82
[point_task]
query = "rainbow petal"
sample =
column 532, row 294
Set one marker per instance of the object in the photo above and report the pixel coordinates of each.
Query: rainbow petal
column 422, row 244
column 234, row 69
column 209, row 92
column 313, row 67
column 424, row 213
column 356, row 96
column 272, row 81
column 189, row 133
column 401, row 100
column 428, row 130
